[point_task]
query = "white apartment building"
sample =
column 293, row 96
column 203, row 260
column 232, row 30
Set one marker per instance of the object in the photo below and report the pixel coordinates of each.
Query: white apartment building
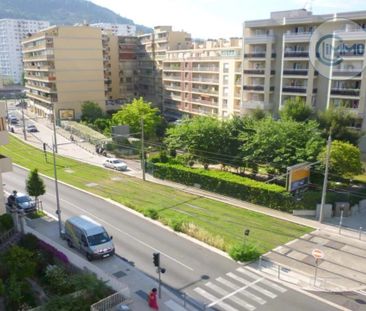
column 117, row 29
column 205, row 80
column 5, row 163
column 280, row 62
column 12, row 32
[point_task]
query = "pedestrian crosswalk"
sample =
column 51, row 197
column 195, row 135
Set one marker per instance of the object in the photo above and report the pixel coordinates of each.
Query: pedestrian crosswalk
column 241, row 290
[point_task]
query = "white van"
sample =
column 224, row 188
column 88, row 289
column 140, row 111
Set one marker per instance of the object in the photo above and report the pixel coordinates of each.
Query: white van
column 89, row 237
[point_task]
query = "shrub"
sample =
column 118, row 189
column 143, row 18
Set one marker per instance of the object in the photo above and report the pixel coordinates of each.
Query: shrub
column 19, row 262
column 57, row 279
column 244, row 252
column 163, row 157
column 6, row 222
column 229, row 184
column 177, row 224
column 29, row 241
column 152, row 213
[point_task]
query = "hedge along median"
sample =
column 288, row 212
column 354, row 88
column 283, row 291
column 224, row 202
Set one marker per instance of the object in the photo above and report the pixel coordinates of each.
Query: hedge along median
column 272, row 196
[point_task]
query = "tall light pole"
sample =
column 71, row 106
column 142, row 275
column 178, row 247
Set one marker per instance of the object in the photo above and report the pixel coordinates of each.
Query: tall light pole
column 54, row 128
column 58, row 210
column 23, row 119
column 142, row 150
column 325, row 182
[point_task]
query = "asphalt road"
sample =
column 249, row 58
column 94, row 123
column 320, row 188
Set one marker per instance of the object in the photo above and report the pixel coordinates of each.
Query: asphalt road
column 189, row 265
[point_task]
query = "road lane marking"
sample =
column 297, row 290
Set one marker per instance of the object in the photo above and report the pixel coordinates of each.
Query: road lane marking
column 129, row 235
column 361, row 292
column 252, row 285
column 237, row 300
column 264, row 281
column 215, row 300
column 245, row 293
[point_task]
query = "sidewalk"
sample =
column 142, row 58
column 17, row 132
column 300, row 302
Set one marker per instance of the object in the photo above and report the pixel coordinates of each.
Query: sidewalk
column 118, row 273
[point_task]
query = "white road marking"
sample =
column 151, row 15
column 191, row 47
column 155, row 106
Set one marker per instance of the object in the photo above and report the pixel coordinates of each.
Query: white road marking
column 252, row 285
column 245, row 293
column 265, row 281
column 172, row 305
column 237, row 300
column 215, row 300
column 361, row 292
column 129, row 235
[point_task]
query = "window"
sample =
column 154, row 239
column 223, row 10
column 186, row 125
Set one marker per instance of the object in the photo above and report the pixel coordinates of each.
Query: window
column 226, row 79
column 225, row 91
column 226, row 67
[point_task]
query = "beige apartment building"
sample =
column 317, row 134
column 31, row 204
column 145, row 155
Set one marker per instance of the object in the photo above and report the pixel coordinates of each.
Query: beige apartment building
column 64, row 67
column 152, row 53
column 205, row 80
column 5, row 163
column 279, row 62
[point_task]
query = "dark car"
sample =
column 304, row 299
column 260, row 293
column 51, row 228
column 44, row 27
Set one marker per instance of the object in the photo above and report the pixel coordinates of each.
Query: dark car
column 22, row 202
column 32, row 129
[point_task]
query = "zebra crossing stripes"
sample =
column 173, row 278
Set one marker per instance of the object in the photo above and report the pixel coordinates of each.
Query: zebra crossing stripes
column 245, row 293
column 237, row 300
column 210, row 297
column 264, row 281
column 256, row 287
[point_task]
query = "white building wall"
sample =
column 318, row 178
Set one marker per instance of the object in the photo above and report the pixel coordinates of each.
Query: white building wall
column 117, row 29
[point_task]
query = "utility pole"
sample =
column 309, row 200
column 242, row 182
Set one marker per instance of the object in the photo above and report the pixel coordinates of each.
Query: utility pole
column 54, row 128
column 58, row 210
column 325, row 183
column 23, row 119
column 142, row 150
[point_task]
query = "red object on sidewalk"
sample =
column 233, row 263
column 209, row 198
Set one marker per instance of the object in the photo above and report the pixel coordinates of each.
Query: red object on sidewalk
column 153, row 300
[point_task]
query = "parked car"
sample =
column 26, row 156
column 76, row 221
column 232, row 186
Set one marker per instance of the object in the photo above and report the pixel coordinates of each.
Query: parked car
column 89, row 237
column 13, row 119
column 32, row 128
column 21, row 201
column 115, row 164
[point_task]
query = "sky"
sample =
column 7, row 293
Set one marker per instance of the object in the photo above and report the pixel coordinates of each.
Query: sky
column 216, row 18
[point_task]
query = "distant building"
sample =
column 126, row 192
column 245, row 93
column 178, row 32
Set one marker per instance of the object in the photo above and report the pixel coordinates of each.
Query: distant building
column 117, row 29
column 12, row 32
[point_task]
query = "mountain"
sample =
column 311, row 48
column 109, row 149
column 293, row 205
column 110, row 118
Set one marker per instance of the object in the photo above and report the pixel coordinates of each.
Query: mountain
column 62, row 12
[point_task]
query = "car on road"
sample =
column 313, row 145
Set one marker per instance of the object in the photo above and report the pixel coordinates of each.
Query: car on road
column 115, row 164
column 32, row 128
column 22, row 202
column 13, row 119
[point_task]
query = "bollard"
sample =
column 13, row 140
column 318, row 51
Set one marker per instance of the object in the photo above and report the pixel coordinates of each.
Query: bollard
column 360, row 233
column 340, row 223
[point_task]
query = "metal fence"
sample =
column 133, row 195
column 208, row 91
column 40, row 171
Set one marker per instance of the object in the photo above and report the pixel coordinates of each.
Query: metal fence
column 110, row 302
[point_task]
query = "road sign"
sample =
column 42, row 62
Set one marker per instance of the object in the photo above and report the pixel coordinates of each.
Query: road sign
column 317, row 253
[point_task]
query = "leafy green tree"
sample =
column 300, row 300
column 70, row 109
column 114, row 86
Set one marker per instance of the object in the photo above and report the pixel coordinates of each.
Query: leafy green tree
column 296, row 109
column 281, row 143
column 345, row 159
column 199, row 136
column 35, row 185
column 19, row 262
column 101, row 124
column 258, row 114
column 337, row 121
column 90, row 111
column 13, row 293
column 131, row 115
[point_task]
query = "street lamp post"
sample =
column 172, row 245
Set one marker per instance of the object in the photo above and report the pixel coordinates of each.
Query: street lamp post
column 22, row 102
column 325, row 183
column 54, row 128
column 58, row 210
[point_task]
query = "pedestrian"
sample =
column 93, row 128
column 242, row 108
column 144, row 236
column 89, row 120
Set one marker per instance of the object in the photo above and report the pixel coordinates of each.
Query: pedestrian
column 153, row 299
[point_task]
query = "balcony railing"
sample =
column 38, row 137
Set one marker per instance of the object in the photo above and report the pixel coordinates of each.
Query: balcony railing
column 294, row 89
column 196, row 90
column 205, row 102
column 295, row 72
column 175, row 78
column 253, row 88
column 347, row 72
column 296, row 54
column 345, row 92
column 257, row 71
column 173, row 87
column 215, row 69
column 205, row 80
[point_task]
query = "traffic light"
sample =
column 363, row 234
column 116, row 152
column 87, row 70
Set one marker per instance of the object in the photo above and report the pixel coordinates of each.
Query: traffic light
column 156, row 259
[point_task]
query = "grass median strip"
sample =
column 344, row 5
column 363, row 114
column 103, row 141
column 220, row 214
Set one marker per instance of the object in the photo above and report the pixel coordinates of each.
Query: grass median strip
column 216, row 220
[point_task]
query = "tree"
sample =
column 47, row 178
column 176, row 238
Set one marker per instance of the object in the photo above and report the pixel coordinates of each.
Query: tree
column 281, row 143
column 90, row 111
column 296, row 109
column 345, row 159
column 131, row 115
column 35, row 185
column 200, row 137
column 337, row 121
column 19, row 262
column 258, row 114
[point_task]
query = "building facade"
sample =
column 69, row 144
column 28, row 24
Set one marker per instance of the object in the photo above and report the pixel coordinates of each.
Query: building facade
column 205, row 80
column 5, row 163
column 64, row 67
column 279, row 63
column 12, row 32
column 117, row 29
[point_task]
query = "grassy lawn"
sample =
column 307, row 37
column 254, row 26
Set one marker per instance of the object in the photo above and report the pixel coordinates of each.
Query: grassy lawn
column 220, row 220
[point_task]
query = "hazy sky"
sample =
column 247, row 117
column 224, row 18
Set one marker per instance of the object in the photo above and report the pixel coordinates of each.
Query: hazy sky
column 216, row 18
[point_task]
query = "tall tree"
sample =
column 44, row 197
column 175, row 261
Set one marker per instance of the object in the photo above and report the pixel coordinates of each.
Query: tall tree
column 90, row 111
column 296, row 109
column 281, row 143
column 131, row 115
column 35, row 185
column 345, row 159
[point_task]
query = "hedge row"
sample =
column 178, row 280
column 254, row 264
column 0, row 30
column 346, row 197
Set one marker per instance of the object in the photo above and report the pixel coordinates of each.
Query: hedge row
column 272, row 196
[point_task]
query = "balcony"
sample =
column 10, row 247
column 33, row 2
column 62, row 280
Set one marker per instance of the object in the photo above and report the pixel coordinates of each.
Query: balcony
column 172, row 68
column 41, row 88
column 213, row 68
column 345, row 92
column 298, row 36
column 206, row 91
column 40, row 78
column 205, row 102
column 256, row 39
column 206, row 80
column 5, row 164
column 255, row 55
column 296, row 54
column 347, row 72
column 259, row 88
column 173, row 78
column 256, row 104
column 257, row 72
column 295, row 72
column 173, row 87
column 27, row 58
column 294, row 89
column 45, row 99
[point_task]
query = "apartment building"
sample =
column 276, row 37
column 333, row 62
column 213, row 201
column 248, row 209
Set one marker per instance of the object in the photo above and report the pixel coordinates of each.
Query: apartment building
column 65, row 66
column 12, row 32
column 117, row 29
column 205, row 80
column 5, row 163
column 154, row 47
column 280, row 62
